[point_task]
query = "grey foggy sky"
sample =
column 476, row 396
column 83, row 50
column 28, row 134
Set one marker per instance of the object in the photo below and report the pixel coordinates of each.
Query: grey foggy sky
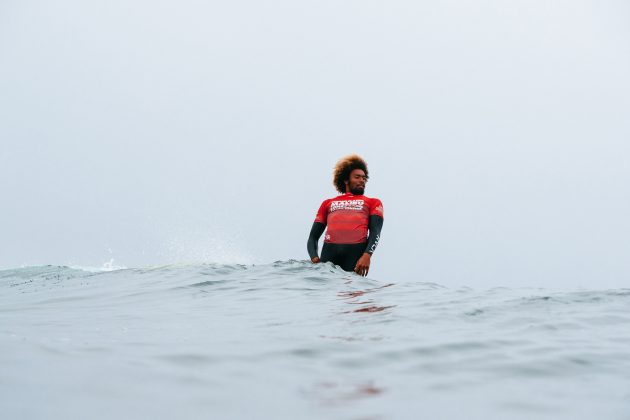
column 155, row 132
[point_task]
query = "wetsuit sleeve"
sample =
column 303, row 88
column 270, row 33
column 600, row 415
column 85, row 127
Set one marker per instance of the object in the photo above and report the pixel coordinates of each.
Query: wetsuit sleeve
column 318, row 228
column 313, row 238
column 376, row 224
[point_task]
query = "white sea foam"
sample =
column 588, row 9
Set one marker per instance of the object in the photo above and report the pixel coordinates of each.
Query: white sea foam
column 107, row 266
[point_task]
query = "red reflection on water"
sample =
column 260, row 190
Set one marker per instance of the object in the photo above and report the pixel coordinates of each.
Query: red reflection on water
column 351, row 297
column 370, row 309
column 356, row 293
column 373, row 308
column 365, row 302
column 369, row 390
column 334, row 393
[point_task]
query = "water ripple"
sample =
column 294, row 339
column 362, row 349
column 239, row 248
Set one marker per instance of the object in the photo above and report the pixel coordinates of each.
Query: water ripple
column 237, row 341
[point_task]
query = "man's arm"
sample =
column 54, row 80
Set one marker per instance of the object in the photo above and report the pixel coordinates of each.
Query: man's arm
column 313, row 238
column 375, row 226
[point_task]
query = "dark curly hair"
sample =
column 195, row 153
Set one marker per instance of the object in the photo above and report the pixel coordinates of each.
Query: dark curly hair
column 344, row 167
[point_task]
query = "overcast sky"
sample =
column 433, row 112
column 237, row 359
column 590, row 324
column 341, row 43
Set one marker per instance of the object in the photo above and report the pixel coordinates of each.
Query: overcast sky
column 497, row 133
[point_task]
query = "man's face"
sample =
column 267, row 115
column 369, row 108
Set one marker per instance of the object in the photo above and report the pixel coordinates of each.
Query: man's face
column 356, row 183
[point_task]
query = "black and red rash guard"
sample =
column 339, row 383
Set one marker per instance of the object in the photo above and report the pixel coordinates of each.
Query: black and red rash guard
column 348, row 219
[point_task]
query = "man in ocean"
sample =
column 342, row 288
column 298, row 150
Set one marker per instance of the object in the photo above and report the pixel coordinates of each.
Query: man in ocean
column 348, row 218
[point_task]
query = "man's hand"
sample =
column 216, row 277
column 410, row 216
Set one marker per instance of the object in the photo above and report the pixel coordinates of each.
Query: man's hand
column 363, row 265
column 315, row 260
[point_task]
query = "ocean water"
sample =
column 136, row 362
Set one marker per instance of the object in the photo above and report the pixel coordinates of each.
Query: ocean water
column 292, row 340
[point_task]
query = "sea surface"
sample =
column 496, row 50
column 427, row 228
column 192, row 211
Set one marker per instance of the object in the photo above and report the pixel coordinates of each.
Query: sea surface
column 292, row 340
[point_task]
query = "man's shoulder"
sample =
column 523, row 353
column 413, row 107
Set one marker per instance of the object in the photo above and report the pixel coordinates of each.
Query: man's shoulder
column 372, row 199
column 346, row 197
column 337, row 198
column 352, row 197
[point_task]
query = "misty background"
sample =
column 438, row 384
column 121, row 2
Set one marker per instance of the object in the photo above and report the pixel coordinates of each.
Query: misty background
column 154, row 132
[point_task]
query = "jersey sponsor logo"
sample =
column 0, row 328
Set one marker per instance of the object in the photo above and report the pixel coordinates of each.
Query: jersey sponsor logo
column 346, row 205
column 373, row 247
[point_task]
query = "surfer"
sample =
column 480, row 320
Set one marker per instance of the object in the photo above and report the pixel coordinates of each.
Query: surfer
column 348, row 218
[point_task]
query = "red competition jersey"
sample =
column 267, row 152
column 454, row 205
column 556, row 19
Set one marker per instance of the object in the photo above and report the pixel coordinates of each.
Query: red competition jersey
column 347, row 217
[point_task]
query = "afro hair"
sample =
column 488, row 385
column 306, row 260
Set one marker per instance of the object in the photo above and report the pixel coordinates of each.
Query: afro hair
column 344, row 167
